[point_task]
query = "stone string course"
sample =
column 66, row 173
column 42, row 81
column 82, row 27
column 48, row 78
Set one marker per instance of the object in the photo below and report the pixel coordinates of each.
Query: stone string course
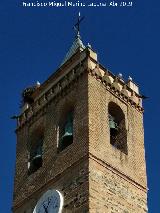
column 109, row 193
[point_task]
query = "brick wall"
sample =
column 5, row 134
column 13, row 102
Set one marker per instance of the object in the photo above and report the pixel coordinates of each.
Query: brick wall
column 110, row 192
column 92, row 174
column 55, row 164
column 107, row 187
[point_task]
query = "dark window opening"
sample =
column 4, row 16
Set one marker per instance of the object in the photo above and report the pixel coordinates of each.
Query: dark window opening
column 66, row 132
column 118, row 132
column 35, row 156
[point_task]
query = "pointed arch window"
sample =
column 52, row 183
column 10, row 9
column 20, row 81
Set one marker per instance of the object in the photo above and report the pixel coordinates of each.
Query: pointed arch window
column 118, row 132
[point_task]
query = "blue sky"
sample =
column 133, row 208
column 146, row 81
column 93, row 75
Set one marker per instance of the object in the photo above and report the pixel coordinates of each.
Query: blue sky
column 34, row 41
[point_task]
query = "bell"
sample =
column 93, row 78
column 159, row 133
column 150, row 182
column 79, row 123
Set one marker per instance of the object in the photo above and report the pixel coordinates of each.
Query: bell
column 67, row 137
column 113, row 125
column 36, row 157
column 68, row 130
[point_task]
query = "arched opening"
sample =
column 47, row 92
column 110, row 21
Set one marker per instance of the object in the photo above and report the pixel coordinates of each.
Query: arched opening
column 118, row 132
column 66, row 130
column 35, row 160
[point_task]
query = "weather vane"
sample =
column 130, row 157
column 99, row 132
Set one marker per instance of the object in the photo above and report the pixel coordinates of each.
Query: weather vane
column 77, row 25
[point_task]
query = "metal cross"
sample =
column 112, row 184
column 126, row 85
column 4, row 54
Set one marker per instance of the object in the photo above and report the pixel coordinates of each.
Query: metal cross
column 77, row 25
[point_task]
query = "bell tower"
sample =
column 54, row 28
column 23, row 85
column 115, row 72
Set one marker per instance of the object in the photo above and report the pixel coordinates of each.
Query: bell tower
column 80, row 141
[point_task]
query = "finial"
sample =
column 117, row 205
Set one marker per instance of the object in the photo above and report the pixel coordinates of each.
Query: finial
column 130, row 78
column 38, row 84
column 120, row 75
column 77, row 25
column 88, row 45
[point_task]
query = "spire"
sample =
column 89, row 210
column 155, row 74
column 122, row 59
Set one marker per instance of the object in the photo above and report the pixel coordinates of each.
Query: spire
column 77, row 43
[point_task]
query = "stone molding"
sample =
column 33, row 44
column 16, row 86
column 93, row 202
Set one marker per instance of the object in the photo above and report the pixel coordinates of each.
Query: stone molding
column 54, row 93
column 112, row 83
column 119, row 173
column 117, row 87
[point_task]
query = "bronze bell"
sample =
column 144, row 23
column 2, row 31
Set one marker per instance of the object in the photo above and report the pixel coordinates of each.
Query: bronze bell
column 68, row 129
column 67, row 137
column 36, row 157
column 113, row 125
column 37, row 153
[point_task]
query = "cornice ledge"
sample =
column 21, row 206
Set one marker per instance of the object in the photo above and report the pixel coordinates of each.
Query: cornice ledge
column 114, row 86
column 61, row 88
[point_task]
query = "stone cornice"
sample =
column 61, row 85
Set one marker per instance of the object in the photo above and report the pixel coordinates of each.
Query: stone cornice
column 59, row 89
column 87, row 63
column 116, row 86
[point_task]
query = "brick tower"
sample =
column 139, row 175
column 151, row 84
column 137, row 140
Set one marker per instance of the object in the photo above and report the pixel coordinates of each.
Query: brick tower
column 80, row 141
